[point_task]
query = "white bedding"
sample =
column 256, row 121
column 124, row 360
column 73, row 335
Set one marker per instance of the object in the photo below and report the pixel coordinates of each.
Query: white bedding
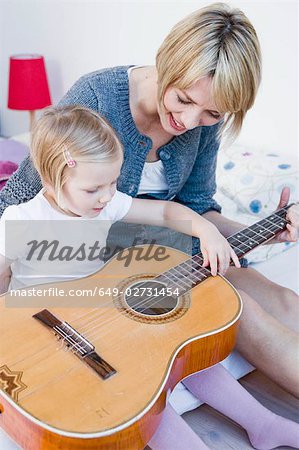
column 282, row 268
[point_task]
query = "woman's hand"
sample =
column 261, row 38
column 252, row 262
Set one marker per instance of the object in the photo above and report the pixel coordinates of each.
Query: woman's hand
column 216, row 251
column 291, row 233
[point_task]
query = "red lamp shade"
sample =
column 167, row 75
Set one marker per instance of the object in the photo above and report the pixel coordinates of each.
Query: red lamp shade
column 28, row 84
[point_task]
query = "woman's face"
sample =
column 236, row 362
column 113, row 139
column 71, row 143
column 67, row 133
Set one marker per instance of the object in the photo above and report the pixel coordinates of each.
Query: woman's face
column 185, row 109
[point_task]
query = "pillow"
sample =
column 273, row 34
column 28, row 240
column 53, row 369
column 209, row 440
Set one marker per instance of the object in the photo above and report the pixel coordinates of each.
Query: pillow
column 11, row 150
column 253, row 178
column 249, row 184
column 7, row 168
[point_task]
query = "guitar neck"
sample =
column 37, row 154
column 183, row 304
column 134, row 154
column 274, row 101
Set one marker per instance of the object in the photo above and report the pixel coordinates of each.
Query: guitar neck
column 190, row 273
column 259, row 233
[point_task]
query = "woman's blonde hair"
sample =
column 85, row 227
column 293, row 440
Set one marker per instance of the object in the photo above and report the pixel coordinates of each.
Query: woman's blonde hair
column 82, row 132
column 216, row 41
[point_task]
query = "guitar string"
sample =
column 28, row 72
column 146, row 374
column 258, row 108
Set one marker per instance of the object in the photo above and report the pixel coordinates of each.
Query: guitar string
column 76, row 345
column 142, row 303
column 109, row 303
column 168, row 279
column 101, row 317
column 175, row 269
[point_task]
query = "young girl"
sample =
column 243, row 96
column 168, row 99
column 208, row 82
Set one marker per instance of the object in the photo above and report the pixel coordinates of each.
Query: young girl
column 79, row 158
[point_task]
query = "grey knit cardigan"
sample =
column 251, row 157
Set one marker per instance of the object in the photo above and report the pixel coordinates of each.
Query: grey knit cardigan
column 189, row 160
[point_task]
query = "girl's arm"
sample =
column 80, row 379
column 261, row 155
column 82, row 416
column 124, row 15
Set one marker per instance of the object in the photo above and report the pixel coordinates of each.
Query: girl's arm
column 215, row 249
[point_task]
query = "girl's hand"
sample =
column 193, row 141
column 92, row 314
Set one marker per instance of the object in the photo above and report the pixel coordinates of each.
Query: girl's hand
column 216, row 251
column 291, row 233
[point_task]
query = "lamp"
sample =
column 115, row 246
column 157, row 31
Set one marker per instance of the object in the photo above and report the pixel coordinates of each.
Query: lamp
column 28, row 85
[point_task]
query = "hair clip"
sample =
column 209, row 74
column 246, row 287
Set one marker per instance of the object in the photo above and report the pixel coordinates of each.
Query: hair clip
column 68, row 158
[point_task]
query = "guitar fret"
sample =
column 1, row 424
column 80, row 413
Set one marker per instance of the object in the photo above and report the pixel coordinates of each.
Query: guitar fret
column 197, row 262
column 252, row 235
column 198, row 258
column 260, row 229
column 278, row 222
column 190, row 273
column 276, row 227
column 237, row 244
column 251, row 242
column 197, row 270
column 185, row 280
column 174, row 273
column 172, row 281
column 239, row 236
column 203, row 270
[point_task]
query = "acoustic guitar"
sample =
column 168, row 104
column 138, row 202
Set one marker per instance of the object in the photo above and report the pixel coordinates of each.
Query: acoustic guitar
column 98, row 376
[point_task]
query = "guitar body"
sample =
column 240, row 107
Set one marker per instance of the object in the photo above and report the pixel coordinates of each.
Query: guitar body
column 51, row 399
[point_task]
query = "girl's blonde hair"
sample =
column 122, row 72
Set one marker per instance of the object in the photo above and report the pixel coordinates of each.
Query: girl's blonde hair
column 82, row 132
column 220, row 42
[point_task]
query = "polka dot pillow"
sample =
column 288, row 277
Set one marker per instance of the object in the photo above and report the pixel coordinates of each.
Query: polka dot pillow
column 253, row 179
column 249, row 184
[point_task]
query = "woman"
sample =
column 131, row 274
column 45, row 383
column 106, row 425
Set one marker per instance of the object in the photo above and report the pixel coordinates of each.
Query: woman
column 169, row 118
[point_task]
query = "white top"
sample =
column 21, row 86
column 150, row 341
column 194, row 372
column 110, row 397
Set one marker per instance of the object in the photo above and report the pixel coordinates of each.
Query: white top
column 153, row 177
column 60, row 237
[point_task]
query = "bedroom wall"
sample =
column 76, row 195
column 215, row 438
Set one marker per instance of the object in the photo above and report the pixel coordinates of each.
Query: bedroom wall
column 78, row 36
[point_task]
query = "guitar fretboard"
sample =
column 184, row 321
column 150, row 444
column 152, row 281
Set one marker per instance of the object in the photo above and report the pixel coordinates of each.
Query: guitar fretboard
column 190, row 273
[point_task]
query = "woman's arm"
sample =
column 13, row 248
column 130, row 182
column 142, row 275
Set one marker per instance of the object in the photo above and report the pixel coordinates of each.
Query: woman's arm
column 226, row 226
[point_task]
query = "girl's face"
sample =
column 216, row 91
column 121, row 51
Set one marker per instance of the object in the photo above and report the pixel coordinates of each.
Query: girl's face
column 90, row 186
column 185, row 109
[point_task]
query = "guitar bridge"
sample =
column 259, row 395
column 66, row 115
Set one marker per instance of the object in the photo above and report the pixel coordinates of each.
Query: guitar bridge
column 80, row 346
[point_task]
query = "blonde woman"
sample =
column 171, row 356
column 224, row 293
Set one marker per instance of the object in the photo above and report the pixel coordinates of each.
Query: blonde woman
column 79, row 157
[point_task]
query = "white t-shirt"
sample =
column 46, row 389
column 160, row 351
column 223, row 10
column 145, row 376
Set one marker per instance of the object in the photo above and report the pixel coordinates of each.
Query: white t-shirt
column 45, row 245
column 153, row 178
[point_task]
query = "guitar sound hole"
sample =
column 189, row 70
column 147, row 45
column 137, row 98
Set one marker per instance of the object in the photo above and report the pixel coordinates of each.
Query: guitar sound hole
column 151, row 298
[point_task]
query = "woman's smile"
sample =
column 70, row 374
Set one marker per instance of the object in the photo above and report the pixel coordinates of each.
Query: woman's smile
column 175, row 124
